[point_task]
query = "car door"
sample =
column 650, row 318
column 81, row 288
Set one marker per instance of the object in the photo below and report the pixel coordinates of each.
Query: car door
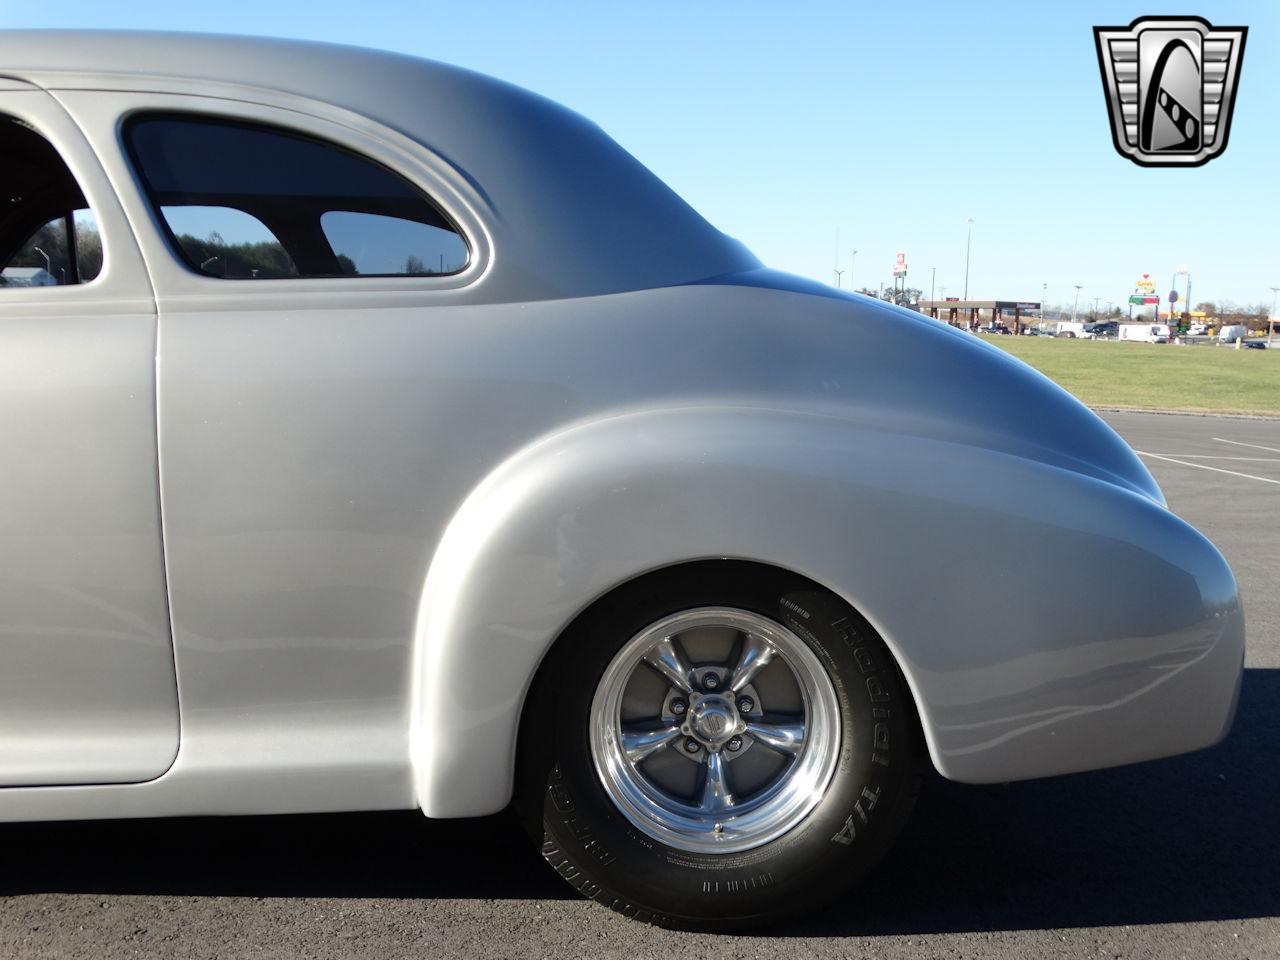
column 87, row 686
column 307, row 277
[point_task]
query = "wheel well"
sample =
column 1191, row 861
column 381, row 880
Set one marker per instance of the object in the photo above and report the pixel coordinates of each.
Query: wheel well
column 765, row 577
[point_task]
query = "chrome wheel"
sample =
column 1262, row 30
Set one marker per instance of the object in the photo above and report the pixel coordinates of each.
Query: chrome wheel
column 715, row 730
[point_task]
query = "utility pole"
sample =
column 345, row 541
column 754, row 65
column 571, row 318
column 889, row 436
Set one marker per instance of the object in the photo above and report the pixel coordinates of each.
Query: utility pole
column 1095, row 307
column 967, row 243
column 852, row 259
column 1075, row 308
column 1044, row 303
column 933, row 276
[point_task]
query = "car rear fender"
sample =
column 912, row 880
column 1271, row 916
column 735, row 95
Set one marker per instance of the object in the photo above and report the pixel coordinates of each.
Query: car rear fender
column 1031, row 609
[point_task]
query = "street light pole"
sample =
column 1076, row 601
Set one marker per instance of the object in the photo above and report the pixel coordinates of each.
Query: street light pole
column 1271, row 320
column 1076, row 306
column 853, row 257
column 967, row 243
column 839, row 273
column 1174, row 322
column 48, row 264
column 1095, row 307
column 1044, row 303
column 933, row 276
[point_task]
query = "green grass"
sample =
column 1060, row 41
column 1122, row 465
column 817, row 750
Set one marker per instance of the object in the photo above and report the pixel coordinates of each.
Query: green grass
column 1106, row 373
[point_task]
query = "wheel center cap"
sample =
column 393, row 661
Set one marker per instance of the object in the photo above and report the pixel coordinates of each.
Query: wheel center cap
column 713, row 720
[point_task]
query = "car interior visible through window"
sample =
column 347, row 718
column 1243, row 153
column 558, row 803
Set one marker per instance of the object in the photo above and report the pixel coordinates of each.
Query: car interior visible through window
column 245, row 201
column 48, row 235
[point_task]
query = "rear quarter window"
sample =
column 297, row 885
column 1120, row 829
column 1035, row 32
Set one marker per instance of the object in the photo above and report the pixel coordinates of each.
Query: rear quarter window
column 244, row 201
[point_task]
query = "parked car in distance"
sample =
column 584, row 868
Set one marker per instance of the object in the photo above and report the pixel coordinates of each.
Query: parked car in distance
column 394, row 439
column 1197, row 330
column 1232, row 332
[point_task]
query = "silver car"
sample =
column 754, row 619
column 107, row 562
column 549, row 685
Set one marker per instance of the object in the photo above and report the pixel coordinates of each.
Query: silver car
column 385, row 436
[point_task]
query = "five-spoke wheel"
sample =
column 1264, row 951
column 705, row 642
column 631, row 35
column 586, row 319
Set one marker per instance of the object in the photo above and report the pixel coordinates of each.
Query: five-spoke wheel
column 715, row 730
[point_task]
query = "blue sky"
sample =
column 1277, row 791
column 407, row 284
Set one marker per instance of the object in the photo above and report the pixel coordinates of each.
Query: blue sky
column 893, row 122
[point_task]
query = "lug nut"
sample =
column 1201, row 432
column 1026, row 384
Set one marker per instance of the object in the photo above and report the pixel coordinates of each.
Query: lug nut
column 734, row 744
column 746, row 704
column 678, row 707
column 711, row 681
column 692, row 745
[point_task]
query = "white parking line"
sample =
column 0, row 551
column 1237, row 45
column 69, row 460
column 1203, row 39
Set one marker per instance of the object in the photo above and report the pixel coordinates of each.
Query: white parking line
column 1206, row 456
column 1203, row 466
column 1256, row 446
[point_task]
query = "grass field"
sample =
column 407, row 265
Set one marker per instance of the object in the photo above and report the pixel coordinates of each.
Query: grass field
column 1145, row 376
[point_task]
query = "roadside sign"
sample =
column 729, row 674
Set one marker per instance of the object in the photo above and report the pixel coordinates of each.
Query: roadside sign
column 1173, row 296
column 1137, row 299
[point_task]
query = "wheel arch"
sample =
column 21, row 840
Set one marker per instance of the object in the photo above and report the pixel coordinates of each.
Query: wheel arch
column 561, row 527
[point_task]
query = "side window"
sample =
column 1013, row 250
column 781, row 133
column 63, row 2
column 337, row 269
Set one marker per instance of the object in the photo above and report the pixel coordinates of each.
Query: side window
column 243, row 201
column 48, row 235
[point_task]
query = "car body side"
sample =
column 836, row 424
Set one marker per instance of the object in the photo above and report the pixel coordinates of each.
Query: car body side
column 384, row 500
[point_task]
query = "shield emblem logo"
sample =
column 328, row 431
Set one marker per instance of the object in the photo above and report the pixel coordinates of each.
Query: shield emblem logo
column 1170, row 84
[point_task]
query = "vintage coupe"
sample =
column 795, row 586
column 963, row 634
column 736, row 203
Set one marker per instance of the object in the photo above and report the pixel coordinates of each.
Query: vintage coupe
column 379, row 435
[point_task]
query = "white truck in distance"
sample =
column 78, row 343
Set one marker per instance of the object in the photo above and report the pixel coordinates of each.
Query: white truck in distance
column 1145, row 332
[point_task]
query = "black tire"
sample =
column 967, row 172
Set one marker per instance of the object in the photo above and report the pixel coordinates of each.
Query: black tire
column 592, row 845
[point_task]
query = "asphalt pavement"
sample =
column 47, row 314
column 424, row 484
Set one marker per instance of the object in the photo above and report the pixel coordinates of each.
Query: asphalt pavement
column 1175, row 858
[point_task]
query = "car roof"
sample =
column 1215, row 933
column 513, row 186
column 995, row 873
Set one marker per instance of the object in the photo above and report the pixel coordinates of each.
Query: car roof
column 569, row 211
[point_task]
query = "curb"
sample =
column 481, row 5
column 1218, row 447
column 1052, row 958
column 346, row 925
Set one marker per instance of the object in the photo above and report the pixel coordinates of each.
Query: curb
column 1265, row 417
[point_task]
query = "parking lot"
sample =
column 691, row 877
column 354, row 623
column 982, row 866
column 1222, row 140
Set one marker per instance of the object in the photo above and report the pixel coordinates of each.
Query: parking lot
column 1173, row 858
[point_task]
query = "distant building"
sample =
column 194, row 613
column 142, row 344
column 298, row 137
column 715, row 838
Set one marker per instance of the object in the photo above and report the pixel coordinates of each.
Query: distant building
column 972, row 313
column 27, row 277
